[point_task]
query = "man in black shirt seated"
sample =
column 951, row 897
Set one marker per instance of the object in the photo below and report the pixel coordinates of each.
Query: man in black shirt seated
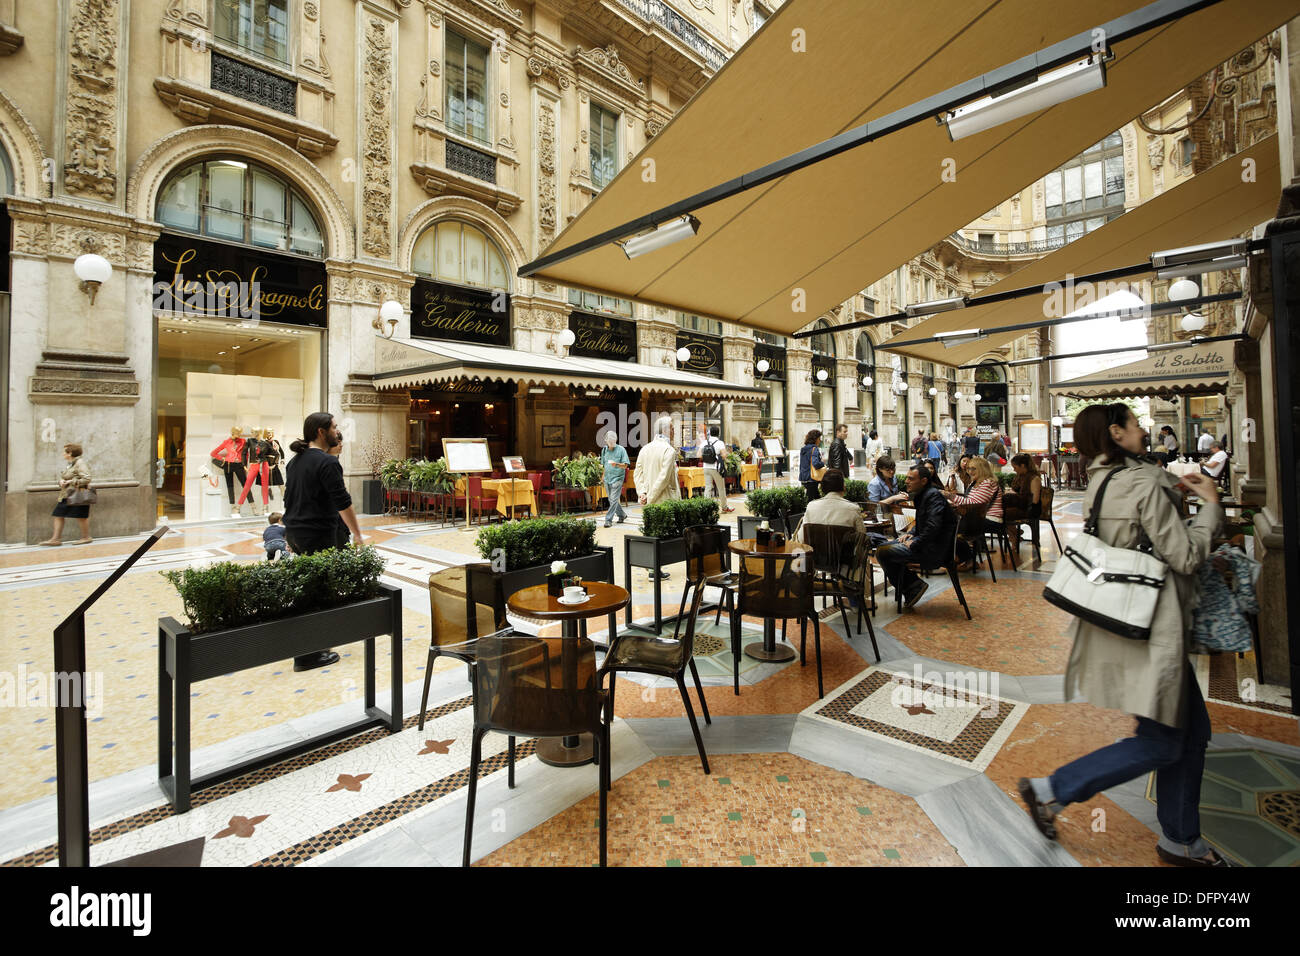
column 930, row 542
column 318, row 511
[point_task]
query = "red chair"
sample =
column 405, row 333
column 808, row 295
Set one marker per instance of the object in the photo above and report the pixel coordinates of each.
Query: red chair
column 473, row 500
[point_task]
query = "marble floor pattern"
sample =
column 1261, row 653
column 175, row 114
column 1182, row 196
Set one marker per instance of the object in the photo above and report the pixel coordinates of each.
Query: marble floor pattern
column 910, row 760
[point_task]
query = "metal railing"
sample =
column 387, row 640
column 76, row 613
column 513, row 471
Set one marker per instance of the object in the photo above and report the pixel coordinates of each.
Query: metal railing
column 1007, row 248
column 656, row 11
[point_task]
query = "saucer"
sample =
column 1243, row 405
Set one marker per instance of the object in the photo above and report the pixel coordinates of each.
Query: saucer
column 582, row 600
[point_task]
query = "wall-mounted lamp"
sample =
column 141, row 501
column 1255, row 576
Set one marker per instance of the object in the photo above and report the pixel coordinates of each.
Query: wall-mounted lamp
column 822, row 375
column 93, row 271
column 979, row 397
column 567, row 337
column 933, row 391
column 956, row 396
column 683, row 355
column 1193, row 322
column 761, row 366
column 866, row 381
column 389, row 313
column 1057, row 421
column 900, row 388
column 1183, row 289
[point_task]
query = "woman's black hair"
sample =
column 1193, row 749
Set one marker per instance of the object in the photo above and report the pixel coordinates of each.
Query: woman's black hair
column 311, row 427
column 884, row 463
column 873, row 433
column 1092, row 431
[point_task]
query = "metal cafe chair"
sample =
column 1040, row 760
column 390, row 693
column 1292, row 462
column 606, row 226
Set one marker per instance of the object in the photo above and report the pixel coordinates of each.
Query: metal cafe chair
column 631, row 652
column 842, row 558
column 521, row 693
column 708, row 564
column 949, row 565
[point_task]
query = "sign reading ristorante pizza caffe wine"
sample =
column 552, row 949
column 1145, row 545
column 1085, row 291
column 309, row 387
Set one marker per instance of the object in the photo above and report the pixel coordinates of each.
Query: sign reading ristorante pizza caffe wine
column 706, row 353
column 602, row 336
column 200, row 278
column 456, row 314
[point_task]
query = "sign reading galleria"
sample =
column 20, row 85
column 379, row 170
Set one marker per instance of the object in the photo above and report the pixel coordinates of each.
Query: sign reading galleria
column 211, row 279
column 602, row 336
column 456, row 314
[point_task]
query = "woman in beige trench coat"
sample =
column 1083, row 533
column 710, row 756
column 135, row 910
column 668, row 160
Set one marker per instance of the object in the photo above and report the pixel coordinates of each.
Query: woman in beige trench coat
column 1150, row 679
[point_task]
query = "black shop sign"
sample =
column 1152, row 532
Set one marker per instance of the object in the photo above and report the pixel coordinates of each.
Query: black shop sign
column 775, row 356
column 602, row 336
column 706, row 353
column 214, row 280
column 453, row 313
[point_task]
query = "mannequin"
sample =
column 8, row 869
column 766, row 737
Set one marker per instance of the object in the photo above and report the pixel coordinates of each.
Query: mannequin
column 275, row 460
column 256, row 453
column 229, row 457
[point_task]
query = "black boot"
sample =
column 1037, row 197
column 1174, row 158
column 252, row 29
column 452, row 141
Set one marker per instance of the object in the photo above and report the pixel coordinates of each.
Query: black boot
column 310, row 662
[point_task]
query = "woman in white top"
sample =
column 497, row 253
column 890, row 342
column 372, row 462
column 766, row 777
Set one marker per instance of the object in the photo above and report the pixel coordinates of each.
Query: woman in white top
column 874, row 448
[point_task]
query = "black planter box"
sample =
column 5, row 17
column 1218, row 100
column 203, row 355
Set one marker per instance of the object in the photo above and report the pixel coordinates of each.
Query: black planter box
column 185, row 658
column 372, row 496
column 748, row 524
column 653, row 554
column 597, row 566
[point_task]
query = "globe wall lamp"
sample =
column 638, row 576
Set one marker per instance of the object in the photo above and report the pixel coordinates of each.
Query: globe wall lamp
column 683, row 355
column 93, row 271
column 389, row 313
column 761, row 366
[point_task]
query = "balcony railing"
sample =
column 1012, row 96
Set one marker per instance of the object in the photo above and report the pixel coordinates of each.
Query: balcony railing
column 1006, row 248
column 656, row 11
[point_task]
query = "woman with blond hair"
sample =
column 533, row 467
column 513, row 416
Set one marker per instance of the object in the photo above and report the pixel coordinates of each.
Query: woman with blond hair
column 75, row 477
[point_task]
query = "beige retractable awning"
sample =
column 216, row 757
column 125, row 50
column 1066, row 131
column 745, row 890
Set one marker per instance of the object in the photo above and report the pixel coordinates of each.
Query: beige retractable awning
column 415, row 363
column 832, row 228
column 1215, row 205
column 1195, row 370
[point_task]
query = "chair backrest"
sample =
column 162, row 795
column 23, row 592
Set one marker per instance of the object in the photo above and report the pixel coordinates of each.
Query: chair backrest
column 450, row 604
column 706, row 551
column 828, row 543
column 534, row 686
column 536, row 478
column 688, row 639
column 779, row 586
column 1045, row 496
column 474, row 486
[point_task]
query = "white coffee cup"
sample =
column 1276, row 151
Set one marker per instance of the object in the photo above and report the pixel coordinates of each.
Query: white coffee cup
column 574, row 593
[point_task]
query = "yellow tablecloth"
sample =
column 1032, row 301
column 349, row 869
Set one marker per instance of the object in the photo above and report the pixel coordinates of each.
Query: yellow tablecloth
column 523, row 493
column 690, row 478
column 748, row 473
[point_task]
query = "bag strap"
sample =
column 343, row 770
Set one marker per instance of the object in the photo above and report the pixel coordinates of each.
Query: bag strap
column 1090, row 524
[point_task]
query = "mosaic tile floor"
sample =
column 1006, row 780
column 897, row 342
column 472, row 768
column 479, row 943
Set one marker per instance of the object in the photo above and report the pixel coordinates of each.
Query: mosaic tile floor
column 753, row 810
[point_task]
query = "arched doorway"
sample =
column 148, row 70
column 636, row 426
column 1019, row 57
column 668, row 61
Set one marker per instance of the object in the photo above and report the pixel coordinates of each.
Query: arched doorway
column 824, row 378
column 240, row 304
column 991, row 414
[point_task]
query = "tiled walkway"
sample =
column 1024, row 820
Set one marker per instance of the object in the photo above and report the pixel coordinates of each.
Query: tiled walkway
column 910, row 761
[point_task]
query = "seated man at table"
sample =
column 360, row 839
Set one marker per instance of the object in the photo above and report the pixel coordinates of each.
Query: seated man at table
column 929, row 544
column 1218, row 459
column 831, row 508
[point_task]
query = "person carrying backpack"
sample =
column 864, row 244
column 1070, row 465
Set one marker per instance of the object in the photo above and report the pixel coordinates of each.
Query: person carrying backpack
column 714, row 455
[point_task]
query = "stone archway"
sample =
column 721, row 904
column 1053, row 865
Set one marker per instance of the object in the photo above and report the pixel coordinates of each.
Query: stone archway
column 26, row 152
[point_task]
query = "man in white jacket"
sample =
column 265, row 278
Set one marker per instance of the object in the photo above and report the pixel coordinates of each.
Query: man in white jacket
column 656, row 471
column 656, row 467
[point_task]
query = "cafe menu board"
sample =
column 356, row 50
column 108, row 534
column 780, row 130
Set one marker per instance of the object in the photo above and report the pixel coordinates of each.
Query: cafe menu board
column 466, row 455
column 456, row 314
column 1034, row 438
column 773, row 447
column 514, row 464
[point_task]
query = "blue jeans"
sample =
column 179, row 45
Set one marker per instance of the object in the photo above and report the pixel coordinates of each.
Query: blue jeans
column 614, row 491
column 1177, row 755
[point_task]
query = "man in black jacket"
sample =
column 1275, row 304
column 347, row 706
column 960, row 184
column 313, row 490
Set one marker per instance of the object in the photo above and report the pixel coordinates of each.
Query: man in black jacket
column 837, row 456
column 930, row 542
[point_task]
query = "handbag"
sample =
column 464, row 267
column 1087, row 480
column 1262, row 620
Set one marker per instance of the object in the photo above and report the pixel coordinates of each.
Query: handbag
column 83, row 496
column 1115, row 589
column 1219, row 623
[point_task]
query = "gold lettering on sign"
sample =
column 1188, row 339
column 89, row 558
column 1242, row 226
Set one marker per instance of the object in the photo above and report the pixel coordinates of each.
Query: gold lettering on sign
column 602, row 342
column 227, row 292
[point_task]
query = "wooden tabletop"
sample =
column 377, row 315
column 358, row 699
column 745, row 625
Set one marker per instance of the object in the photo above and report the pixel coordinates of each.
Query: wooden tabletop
column 535, row 602
column 750, row 546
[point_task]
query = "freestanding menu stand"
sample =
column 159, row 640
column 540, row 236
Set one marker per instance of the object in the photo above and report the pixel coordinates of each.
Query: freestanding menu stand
column 466, row 456
column 70, row 720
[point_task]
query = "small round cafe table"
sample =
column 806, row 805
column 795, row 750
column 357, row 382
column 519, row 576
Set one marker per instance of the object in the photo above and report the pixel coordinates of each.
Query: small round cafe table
column 768, row 650
column 537, row 604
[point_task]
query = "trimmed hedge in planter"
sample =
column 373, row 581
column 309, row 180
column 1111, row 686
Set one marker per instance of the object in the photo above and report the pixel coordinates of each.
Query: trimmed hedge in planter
column 236, row 594
column 670, row 518
column 856, row 491
column 770, row 502
column 537, row 541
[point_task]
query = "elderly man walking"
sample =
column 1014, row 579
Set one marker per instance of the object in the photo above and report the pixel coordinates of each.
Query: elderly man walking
column 614, row 457
column 656, row 470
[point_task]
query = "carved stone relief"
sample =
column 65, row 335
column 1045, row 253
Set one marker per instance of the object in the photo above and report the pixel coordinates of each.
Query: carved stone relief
column 90, row 131
column 546, row 188
column 377, row 192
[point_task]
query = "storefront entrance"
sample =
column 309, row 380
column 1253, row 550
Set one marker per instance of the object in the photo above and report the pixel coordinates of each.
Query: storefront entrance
column 466, row 409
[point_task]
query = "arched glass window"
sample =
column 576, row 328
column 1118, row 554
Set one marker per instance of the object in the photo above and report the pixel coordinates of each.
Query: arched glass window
column 6, row 175
column 455, row 251
column 823, row 342
column 238, row 201
column 866, row 351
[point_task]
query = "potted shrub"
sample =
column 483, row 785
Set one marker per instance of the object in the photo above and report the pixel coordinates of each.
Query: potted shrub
column 771, row 504
column 661, row 543
column 581, row 473
column 373, row 456
column 522, row 551
column 247, row 614
column 856, row 491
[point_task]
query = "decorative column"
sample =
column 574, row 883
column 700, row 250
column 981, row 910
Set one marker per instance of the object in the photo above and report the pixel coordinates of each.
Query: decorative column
column 739, row 419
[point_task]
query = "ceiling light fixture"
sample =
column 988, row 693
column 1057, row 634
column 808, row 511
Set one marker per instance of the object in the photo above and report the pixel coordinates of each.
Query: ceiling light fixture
column 1047, row 90
column 935, row 306
column 665, row 235
column 959, row 337
column 1195, row 254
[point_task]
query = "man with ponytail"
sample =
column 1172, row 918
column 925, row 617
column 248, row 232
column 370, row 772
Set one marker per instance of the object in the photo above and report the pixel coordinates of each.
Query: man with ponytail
column 318, row 510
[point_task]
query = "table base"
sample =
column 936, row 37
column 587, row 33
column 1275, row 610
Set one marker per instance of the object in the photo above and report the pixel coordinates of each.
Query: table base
column 566, row 751
column 777, row 655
